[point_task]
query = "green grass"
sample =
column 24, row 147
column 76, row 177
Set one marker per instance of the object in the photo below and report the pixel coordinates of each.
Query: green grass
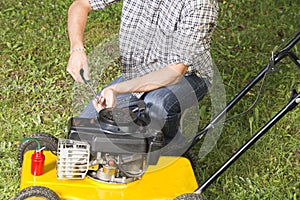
column 36, row 91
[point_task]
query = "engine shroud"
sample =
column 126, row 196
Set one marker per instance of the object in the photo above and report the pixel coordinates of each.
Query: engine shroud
column 119, row 136
column 101, row 140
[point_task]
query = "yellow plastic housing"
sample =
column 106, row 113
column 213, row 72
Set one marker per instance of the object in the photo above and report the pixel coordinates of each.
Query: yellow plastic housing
column 171, row 177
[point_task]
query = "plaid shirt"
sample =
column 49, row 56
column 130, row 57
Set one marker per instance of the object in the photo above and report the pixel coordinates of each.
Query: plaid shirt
column 155, row 33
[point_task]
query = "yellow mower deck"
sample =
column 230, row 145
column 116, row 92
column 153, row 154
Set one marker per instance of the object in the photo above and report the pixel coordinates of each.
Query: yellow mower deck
column 171, row 177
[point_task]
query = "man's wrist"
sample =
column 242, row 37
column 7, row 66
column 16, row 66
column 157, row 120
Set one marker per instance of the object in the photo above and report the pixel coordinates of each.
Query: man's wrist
column 77, row 49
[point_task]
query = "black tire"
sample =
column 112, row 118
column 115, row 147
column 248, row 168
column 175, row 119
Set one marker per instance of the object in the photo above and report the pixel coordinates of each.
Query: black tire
column 190, row 196
column 48, row 141
column 38, row 192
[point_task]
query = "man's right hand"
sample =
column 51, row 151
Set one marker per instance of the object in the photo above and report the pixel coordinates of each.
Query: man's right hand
column 77, row 61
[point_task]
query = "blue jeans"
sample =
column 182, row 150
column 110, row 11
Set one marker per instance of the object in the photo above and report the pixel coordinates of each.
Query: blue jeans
column 164, row 105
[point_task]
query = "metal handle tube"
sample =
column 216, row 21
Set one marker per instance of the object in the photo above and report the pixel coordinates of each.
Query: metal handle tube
column 282, row 54
column 290, row 106
column 292, row 43
column 229, row 106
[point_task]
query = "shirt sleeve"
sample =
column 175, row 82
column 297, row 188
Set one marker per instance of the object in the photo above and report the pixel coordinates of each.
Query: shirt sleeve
column 101, row 4
column 191, row 40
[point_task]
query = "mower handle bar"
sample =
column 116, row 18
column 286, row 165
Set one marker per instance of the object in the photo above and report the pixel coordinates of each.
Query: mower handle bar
column 285, row 51
column 292, row 43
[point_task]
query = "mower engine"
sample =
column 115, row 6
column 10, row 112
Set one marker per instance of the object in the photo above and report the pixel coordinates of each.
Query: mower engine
column 117, row 147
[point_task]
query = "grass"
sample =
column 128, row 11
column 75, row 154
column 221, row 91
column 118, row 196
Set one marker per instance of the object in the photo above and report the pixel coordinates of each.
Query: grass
column 36, row 91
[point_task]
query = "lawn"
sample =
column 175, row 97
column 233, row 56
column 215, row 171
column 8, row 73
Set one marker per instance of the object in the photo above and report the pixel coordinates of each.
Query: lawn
column 37, row 94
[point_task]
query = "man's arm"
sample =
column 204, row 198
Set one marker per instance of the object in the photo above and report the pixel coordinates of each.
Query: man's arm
column 169, row 75
column 77, row 19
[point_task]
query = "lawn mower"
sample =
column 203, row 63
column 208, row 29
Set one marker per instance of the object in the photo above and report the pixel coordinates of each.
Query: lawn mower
column 115, row 156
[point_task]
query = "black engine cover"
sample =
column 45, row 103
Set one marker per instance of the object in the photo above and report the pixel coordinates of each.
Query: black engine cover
column 101, row 140
column 116, row 131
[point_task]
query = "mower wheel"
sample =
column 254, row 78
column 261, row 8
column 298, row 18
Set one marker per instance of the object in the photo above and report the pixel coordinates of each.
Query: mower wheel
column 190, row 196
column 36, row 192
column 49, row 142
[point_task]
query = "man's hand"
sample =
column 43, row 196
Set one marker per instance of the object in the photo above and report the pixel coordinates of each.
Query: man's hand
column 78, row 61
column 107, row 99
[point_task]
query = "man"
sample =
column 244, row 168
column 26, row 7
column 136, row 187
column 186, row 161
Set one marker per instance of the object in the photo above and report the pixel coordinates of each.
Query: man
column 164, row 51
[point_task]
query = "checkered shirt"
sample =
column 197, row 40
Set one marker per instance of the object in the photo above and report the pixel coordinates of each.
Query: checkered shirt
column 155, row 33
